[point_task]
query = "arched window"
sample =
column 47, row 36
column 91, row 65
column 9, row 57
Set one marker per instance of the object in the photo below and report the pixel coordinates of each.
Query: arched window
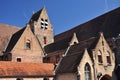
column 28, row 45
column 100, row 57
column 108, row 57
column 87, row 72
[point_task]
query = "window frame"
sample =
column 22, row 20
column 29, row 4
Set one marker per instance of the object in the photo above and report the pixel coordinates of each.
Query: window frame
column 99, row 55
column 87, row 72
column 18, row 59
column 108, row 57
column 28, row 44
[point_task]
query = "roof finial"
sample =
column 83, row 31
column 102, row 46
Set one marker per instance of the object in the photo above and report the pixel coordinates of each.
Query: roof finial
column 101, row 33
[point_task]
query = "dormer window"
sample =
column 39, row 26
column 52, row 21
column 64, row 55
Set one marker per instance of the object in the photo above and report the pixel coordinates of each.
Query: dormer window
column 108, row 57
column 28, row 45
column 100, row 57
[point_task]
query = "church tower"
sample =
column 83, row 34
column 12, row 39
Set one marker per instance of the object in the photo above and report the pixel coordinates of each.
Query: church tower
column 41, row 27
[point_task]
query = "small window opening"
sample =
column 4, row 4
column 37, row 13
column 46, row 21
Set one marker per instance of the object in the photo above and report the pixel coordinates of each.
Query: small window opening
column 45, row 40
column 28, row 45
column 42, row 19
column 18, row 59
column 46, row 20
column 75, row 42
column 46, row 78
column 108, row 58
column 102, row 43
column 100, row 57
column 57, row 58
column 19, row 79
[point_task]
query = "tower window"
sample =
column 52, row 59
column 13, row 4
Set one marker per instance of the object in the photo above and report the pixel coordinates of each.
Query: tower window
column 45, row 41
column 46, row 20
column 44, row 23
column 28, row 45
column 108, row 58
column 42, row 19
column 100, row 57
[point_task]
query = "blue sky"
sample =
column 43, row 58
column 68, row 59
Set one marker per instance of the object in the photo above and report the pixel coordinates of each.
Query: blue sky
column 63, row 14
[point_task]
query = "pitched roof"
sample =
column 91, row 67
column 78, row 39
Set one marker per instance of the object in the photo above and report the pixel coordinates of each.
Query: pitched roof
column 108, row 23
column 36, row 16
column 15, row 37
column 70, row 62
column 22, row 69
column 5, row 32
column 58, row 45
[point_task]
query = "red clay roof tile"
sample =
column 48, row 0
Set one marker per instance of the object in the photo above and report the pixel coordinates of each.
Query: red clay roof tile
column 11, row 69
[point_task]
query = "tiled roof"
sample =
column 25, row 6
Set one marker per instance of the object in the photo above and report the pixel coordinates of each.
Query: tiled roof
column 108, row 23
column 70, row 62
column 15, row 37
column 22, row 69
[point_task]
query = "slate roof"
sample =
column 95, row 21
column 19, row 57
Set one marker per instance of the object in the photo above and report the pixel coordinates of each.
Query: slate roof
column 70, row 62
column 58, row 45
column 108, row 23
column 36, row 16
column 24, row 69
column 15, row 37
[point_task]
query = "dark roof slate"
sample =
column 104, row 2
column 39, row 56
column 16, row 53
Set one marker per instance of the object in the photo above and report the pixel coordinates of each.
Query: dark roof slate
column 59, row 45
column 108, row 23
column 70, row 62
column 36, row 16
column 15, row 37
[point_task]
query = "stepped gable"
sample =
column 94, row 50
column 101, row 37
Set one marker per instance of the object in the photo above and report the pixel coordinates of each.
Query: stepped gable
column 5, row 32
column 72, row 59
column 108, row 23
column 17, row 69
column 15, row 37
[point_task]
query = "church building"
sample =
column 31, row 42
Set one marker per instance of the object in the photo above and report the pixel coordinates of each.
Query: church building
column 89, row 51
